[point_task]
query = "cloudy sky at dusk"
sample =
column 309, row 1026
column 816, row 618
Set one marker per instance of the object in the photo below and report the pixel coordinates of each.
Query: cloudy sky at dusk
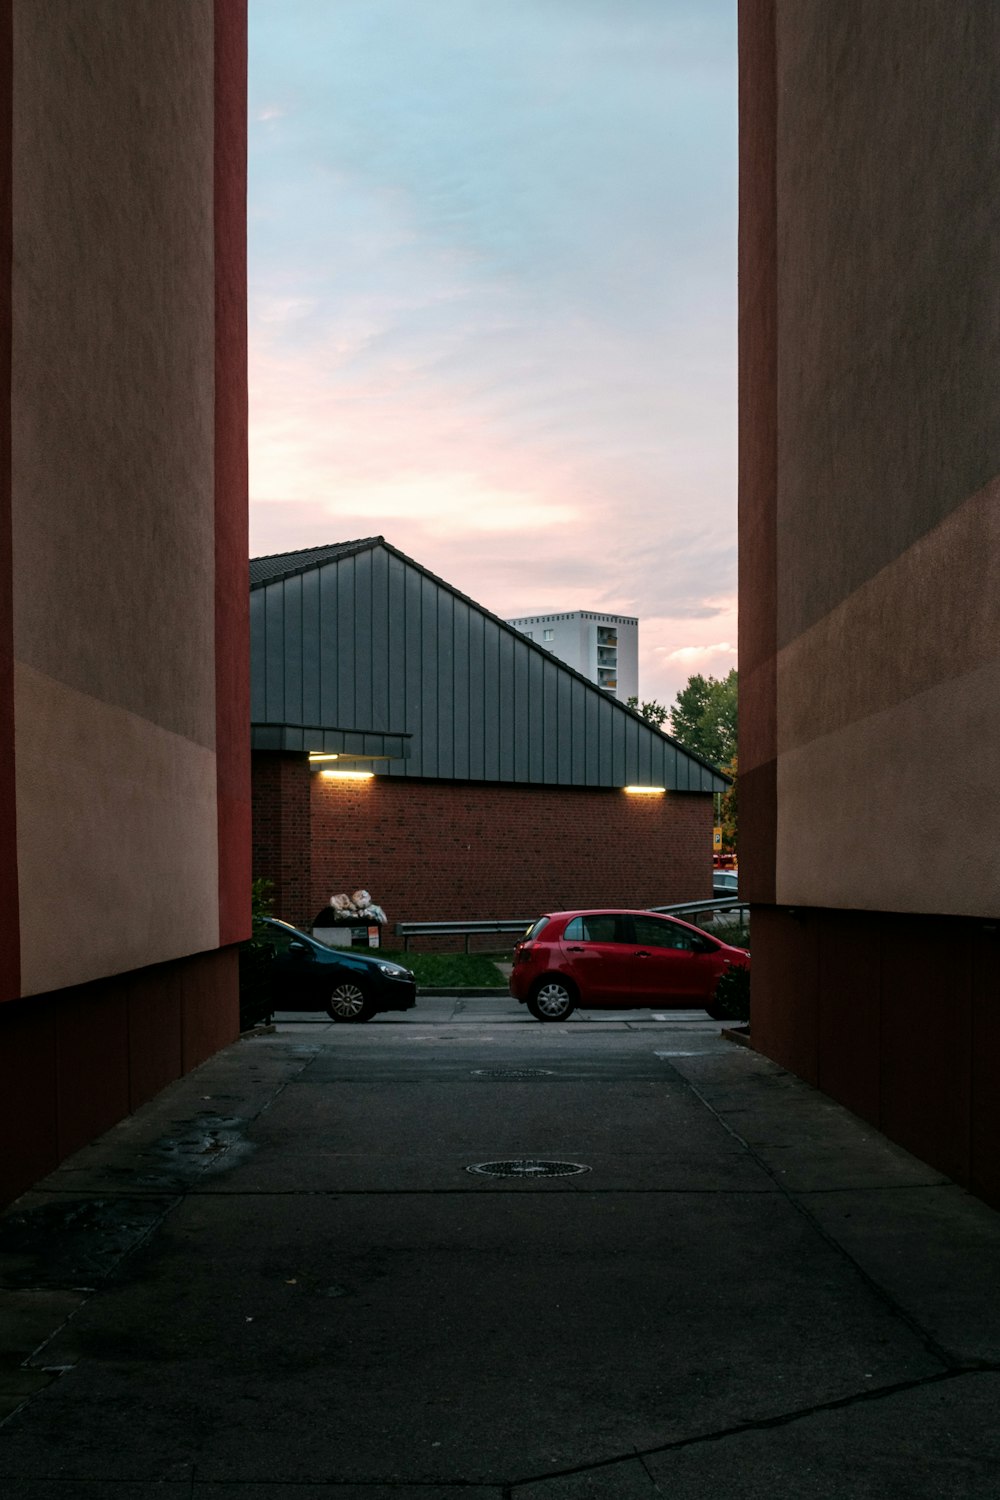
column 493, row 301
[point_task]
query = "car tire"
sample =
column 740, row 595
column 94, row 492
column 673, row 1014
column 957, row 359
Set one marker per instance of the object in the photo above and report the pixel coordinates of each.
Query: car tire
column 348, row 1003
column 714, row 1010
column 552, row 999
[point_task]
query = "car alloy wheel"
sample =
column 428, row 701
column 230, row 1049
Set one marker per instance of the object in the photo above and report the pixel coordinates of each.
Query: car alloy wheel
column 348, row 1003
column 551, row 1001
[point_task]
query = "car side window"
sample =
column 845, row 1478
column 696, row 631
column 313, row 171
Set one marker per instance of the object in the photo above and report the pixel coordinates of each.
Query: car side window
column 654, row 933
column 279, row 939
column 600, row 927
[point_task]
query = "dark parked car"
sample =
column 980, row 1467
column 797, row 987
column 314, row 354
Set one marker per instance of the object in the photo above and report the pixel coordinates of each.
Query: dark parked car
column 349, row 986
column 626, row 960
column 725, row 883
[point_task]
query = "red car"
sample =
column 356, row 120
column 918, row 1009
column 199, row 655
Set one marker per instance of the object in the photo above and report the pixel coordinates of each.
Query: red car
column 622, row 960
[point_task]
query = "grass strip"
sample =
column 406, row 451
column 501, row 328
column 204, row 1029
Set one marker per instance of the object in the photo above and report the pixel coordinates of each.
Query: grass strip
column 448, row 970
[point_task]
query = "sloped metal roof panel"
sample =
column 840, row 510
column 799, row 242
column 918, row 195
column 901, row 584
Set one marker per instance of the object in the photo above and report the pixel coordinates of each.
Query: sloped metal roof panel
column 357, row 635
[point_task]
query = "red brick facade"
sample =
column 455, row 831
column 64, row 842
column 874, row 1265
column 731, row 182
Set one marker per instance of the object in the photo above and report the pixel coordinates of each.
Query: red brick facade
column 282, row 831
column 437, row 850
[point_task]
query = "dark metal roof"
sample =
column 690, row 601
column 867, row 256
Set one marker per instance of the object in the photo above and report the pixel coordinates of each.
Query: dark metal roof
column 286, row 564
column 355, row 743
column 357, row 633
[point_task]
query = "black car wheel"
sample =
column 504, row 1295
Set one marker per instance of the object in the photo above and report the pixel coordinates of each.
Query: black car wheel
column 552, row 1000
column 348, row 1002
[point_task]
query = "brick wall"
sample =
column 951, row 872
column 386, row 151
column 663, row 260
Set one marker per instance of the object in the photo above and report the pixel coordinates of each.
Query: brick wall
column 281, row 830
column 445, row 850
column 442, row 849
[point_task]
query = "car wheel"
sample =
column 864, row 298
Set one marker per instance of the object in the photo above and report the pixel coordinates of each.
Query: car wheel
column 348, row 1002
column 552, row 1000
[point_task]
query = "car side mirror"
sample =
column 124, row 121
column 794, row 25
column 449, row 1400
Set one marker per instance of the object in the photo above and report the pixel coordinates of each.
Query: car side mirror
column 294, row 947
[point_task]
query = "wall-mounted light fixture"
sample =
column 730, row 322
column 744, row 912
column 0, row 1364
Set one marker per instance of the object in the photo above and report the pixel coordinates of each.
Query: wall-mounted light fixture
column 348, row 775
column 645, row 791
column 315, row 755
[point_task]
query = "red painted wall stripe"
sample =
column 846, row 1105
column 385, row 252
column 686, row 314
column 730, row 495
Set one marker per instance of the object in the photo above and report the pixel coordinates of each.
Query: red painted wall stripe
column 10, row 957
column 232, row 650
column 758, row 445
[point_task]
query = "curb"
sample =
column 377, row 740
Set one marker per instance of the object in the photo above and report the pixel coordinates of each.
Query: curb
column 433, row 991
column 742, row 1038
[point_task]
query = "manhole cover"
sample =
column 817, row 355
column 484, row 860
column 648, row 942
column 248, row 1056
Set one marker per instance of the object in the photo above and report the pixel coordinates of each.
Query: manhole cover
column 527, row 1167
column 512, row 1073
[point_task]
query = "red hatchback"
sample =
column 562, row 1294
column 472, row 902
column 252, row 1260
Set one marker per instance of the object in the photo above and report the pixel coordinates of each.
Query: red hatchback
column 621, row 960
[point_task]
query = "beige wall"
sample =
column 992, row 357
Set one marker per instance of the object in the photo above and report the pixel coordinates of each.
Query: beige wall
column 888, row 431
column 113, row 484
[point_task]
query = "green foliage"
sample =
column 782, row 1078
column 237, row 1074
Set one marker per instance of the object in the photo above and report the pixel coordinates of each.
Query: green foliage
column 704, row 717
column 255, row 959
column 733, row 932
column 732, row 995
column 444, row 970
column 654, row 713
column 261, row 905
column 729, row 809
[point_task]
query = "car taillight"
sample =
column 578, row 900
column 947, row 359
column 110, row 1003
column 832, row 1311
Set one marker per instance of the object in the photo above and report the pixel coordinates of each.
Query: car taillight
column 521, row 952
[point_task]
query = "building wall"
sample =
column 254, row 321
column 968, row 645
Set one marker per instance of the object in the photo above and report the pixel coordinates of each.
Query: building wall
column 369, row 645
column 282, row 831
column 74, row 1062
column 870, row 543
column 124, row 802
column 446, row 850
column 573, row 637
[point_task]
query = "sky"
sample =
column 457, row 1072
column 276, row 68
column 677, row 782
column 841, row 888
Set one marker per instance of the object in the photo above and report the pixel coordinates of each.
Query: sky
column 492, row 302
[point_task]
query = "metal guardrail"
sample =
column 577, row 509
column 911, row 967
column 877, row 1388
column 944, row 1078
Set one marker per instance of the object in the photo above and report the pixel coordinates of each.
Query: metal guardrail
column 720, row 903
column 406, row 930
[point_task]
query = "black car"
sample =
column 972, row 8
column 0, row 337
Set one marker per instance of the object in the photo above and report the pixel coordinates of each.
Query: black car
column 349, row 986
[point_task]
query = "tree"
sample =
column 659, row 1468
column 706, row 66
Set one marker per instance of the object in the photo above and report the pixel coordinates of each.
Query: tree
column 654, row 713
column 704, row 717
column 729, row 809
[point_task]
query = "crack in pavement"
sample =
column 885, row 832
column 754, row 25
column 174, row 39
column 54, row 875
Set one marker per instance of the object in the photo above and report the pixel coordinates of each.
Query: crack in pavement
column 936, row 1350
column 759, row 1424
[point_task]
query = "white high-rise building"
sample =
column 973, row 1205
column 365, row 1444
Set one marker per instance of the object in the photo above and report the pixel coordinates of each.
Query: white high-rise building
column 604, row 648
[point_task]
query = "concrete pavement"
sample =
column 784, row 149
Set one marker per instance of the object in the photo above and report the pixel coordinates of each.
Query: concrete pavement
column 281, row 1279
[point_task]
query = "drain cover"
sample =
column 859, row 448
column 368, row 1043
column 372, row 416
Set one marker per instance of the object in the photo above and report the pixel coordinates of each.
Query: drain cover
column 512, row 1073
column 527, row 1167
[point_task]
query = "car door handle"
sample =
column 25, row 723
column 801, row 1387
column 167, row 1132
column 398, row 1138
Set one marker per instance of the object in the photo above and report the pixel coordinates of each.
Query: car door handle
column 575, row 948
column 642, row 953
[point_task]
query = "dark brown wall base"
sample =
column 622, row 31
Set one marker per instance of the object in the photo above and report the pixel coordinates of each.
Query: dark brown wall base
column 898, row 1018
column 74, row 1062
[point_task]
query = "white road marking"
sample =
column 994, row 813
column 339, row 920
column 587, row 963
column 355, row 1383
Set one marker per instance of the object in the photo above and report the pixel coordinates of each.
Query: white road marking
column 702, row 1052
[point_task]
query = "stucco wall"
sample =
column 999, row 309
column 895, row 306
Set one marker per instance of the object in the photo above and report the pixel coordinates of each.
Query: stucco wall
column 870, row 559
column 113, row 485
column 871, row 450
column 888, row 528
column 124, row 761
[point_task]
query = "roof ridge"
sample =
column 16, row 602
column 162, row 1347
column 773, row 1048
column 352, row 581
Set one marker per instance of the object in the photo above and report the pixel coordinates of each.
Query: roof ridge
column 341, row 548
column 321, row 547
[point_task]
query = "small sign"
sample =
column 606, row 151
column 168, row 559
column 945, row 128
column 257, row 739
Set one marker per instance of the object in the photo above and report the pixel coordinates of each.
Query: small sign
column 373, row 937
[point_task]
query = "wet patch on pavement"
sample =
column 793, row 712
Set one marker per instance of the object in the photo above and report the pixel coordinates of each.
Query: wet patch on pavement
column 73, row 1243
column 204, row 1145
